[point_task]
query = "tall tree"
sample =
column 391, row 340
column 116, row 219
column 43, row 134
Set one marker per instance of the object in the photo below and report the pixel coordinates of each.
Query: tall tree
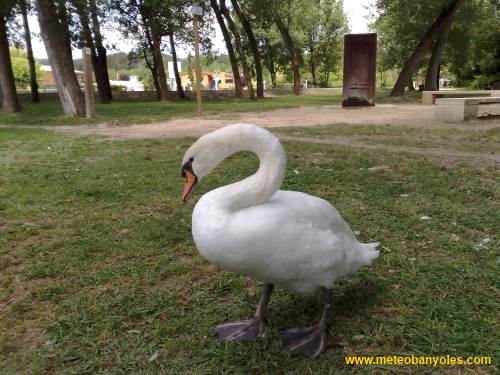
column 8, row 92
column 425, row 42
column 155, row 32
column 292, row 51
column 103, row 83
column 229, row 47
column 239, row 47
column 180, row 90
column 432, row 74
column 139, row 19
column 23, row 6
column 176, row 23
column 55, row 34
column 253, row 46
column 274, row 57
column 99, row 64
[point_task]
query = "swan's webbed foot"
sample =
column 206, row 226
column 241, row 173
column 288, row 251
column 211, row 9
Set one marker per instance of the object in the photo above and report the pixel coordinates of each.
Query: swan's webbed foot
column 243, row 330
column 309, row 341
column 250, row 329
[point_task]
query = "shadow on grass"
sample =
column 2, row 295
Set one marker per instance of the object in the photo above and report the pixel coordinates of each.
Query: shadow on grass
column 349, row 305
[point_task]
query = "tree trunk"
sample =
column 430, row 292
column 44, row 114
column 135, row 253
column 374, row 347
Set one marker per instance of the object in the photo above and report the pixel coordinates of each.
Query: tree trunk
column 313, row 74
column 35, row 98
column 178, row 83
column 410, row 86
column 151, row 65
column 230, row 49
column 102, row 75
column 96, row 64
column 152, row 69
column 437, row 76
column 253, row 46
column 62, row 14
column 432, row 74
column 272, row 71
column 160, row 67
column 292, row 53
column 10, row 102
column 312, row 67
column 239, row 48
column 156, row 51
column 55, row 38
column 412, row 62
column 312, row 62
column 156, row 82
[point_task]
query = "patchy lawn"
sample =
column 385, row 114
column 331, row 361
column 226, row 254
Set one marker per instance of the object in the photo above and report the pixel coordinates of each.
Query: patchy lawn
column 98, row 270
column 145, row 111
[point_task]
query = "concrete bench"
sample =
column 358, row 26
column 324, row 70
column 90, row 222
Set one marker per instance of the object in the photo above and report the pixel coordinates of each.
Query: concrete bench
column 460, row 109
column 429, row 97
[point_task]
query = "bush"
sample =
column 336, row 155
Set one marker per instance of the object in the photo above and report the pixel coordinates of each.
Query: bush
column 486, row 81
column 116, row 88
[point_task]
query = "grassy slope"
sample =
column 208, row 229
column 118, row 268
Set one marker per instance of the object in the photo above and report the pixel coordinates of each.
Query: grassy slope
column 136, row 111
column 98, row 269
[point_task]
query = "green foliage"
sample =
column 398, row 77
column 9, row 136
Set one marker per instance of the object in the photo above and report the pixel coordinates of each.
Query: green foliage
column 473, row 43
column 20, row 66
column 485, row 81
column 118, row 88
column 189, row 68
column 316, row 27
column 324, row 24
column 473, row 53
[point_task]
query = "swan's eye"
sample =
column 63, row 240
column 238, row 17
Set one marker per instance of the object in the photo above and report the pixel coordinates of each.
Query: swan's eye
column 187, row 167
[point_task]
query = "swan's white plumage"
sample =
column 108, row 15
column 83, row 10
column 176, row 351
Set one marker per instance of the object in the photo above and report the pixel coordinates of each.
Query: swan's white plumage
column 288, row 238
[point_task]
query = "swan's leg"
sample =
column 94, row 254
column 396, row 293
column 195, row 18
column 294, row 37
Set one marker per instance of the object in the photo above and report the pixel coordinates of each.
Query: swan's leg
column 248, row 329
column 310, row 341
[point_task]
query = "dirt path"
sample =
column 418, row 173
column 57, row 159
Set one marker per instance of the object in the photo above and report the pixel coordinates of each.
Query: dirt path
column 406, row 115
column 412, row 115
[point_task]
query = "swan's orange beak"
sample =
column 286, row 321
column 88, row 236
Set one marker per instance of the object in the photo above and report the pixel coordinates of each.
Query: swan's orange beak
column 191, row 181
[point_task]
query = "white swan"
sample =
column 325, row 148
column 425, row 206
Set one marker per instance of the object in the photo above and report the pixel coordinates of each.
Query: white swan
column 291, row 239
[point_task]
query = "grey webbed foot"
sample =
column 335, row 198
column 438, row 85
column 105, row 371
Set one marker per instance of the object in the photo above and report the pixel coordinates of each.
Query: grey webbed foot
column 243, row 330
column 250, row 329
column 309, row 341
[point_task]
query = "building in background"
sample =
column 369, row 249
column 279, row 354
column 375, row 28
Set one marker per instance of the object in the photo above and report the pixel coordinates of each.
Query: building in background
column 209, row 81
column 130, row 84
column 48, row 83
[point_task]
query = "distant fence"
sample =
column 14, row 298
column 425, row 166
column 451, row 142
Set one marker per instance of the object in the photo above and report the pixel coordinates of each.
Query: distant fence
column 151, row 95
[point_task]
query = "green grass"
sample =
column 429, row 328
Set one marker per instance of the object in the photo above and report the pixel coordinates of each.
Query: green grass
column 464, row 139
column 98, row 269
column 50, row 112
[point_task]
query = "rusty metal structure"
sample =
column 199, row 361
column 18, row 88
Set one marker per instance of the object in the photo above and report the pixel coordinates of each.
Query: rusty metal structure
column 360, row 56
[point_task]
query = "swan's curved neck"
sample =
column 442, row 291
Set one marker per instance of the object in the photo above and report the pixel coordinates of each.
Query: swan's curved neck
column 266, row 181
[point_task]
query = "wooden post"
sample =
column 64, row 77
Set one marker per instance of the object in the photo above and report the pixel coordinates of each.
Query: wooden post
column 198, row 65
column 89, row 84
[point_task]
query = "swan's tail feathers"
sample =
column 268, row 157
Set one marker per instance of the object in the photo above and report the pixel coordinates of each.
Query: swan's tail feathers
column 370, row 252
